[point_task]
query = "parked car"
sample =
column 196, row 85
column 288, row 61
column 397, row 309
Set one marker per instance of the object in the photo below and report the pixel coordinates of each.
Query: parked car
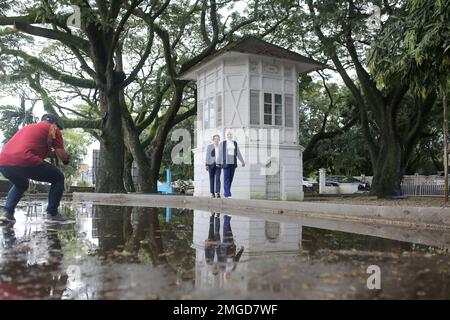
column 337, row 180
column 309, row 183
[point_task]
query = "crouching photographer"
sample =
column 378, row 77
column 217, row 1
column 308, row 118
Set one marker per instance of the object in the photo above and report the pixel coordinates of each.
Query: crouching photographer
column 22, row 158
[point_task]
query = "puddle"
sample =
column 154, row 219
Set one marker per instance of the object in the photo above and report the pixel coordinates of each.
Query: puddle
column 115, row 252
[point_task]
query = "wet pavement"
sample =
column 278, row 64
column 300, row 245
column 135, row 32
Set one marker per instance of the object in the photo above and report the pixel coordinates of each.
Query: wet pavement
column 114, row 252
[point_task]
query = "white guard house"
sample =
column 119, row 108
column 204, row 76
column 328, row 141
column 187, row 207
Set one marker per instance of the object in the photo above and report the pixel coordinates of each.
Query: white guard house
column 250, row 87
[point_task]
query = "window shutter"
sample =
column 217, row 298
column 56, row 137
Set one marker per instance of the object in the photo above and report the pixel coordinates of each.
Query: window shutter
column 289, row 110
column 278, row 110
column 200, row 113
column 206, row 114
column 268, row 108
column 212, row 113
column 254, row 107
column 219, row 111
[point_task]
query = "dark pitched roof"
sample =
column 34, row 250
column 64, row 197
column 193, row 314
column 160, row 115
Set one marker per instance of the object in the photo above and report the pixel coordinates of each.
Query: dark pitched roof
column 253, row 45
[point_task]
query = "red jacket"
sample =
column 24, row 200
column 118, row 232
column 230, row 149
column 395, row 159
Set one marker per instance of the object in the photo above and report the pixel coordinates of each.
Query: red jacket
column 29, row 146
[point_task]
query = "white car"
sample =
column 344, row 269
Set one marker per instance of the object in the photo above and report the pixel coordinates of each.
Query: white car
column 309, row 183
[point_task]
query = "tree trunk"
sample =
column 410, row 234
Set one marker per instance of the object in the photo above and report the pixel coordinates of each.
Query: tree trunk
column 127, row 174
column 155, row 243
column 110, row 173
column 388, row 171
column 138, row 153
column 146, row 235
column 110, row 222
column 160, row 140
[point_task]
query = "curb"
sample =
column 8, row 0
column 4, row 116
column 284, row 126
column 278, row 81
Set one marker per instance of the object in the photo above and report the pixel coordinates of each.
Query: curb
column 430, row 217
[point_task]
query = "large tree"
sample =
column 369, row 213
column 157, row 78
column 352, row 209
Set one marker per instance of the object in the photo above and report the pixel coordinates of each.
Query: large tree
column 338, row 31
column 103, row 27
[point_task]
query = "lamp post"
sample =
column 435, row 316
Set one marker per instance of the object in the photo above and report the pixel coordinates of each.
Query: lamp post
column 445, row 146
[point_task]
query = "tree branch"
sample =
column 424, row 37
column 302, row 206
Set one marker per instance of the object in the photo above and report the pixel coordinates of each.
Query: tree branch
column 121, row 25
column 141, row 126
column 140, row 64
column 164, row 36
column 48, row 106
column 55, row 74
column 203, row 25
column 181, row 117
column 331, row 52
column 30, row 19
column 424, row 108
column 66, row 38
column 83, row 62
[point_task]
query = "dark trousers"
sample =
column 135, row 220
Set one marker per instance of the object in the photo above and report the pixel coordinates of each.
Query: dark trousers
column 45, row 172
column 227, row 247
column 214, row 228
column 213, row 241
column 228, row 174
column 214, row 177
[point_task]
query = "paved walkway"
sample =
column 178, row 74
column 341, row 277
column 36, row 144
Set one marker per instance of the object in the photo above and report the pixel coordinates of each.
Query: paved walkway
column 411, row 216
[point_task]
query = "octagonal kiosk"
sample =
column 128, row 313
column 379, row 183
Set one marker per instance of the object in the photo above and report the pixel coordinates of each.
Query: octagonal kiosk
column 250, row 87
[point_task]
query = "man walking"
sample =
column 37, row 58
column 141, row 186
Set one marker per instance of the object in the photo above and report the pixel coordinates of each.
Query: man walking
column 228, row 154
column 22, row 158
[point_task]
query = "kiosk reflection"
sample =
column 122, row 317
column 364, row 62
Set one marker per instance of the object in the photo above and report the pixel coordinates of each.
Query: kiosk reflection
column 228, row 248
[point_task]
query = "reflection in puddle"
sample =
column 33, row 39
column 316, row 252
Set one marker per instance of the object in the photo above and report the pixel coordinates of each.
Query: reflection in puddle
column 117, row 252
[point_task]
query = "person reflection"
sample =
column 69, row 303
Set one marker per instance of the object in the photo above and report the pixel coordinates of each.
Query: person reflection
column 9, row 236
column 222, row 256
column 213, row 241
column 41, row 265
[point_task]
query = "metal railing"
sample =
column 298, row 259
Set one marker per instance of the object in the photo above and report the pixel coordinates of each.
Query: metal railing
column 420, row 187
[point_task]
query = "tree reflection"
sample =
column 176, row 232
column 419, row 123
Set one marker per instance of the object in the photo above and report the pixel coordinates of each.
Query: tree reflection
column 145, row 235
column 112, row 223
column 130, row 233
column 141, row 234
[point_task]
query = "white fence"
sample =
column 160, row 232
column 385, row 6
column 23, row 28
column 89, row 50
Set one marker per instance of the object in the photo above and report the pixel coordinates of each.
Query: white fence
column 412, row 185
column 423, row 186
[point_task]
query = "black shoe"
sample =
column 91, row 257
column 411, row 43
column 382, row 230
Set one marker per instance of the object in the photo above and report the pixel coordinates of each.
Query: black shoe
column 58, row 218
column 212, row 195
column 6, row 217
column 217, row 195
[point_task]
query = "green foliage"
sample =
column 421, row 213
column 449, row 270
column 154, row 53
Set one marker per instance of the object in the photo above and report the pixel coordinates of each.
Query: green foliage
column 179, row 171
column 177, row 237
column 76, row 142
column 82, row 183
column 415, row 47
column 427, row 156
column 339, row 151
column 12, row 118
